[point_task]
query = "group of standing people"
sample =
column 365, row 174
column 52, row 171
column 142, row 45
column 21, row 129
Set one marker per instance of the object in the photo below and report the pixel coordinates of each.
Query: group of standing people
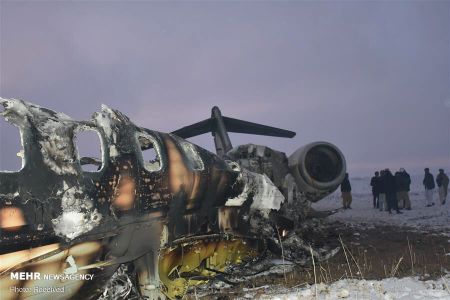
column 442, row 183
column 391, row 192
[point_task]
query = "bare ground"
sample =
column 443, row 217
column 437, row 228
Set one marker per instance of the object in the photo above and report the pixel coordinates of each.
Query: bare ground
column 373, row 253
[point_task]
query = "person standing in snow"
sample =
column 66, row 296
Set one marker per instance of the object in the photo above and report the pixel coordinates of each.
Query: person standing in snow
column 428, row 182
column 374, row 182
column 442, row 183
column 398, row 183
column 391, row 192
column 403, row 181
column 346, row 191
column 382, row 190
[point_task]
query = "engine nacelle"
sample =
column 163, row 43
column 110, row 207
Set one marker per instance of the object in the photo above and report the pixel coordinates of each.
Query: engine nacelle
column 318, row 169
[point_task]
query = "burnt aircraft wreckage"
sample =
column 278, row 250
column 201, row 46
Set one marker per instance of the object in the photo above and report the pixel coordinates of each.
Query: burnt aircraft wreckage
column 175, row 221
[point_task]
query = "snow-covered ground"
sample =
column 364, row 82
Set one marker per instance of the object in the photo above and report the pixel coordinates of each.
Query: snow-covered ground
column 363, row 215
column 386, row 289
column 435, row 218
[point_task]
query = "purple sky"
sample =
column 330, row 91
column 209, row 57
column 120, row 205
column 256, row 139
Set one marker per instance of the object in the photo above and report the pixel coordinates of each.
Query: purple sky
column 371, row 77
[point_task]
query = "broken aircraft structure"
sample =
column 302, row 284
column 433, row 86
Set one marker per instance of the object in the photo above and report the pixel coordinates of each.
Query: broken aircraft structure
column 175, row 221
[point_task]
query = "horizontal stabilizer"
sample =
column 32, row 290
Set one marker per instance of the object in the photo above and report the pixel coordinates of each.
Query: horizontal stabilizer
column 195, row 129
column 232, row 125
column 240, row 126
column 219, row 126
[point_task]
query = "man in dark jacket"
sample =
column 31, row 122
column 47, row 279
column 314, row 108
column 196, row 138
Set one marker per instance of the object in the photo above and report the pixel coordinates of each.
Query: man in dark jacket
column 346, row 191
column 403, row 181
column 442, row 183
column 382, row 189
column 428, row 182
column 375, row 183
column 391, row 190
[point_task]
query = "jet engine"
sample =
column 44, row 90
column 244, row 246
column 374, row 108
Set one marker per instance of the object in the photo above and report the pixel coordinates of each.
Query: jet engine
column 318, row 169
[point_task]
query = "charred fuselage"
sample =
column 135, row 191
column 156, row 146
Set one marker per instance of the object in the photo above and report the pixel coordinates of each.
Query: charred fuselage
column 185, row 215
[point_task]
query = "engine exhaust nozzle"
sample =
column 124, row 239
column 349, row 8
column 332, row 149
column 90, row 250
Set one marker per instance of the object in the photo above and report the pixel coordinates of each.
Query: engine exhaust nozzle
column 318, row 168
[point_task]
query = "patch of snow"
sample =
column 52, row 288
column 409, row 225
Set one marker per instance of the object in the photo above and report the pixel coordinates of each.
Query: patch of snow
column 389, row 288
column 362, row 213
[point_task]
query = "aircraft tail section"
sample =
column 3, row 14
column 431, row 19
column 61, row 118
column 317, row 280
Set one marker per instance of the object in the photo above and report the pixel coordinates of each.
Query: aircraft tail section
column 219, row 126
column 232, row 125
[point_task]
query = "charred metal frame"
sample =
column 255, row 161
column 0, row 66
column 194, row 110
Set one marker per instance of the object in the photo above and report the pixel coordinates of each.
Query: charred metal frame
column 52, row 211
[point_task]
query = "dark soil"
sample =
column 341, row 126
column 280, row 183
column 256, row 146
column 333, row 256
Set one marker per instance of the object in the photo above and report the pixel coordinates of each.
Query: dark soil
column 375, row 253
